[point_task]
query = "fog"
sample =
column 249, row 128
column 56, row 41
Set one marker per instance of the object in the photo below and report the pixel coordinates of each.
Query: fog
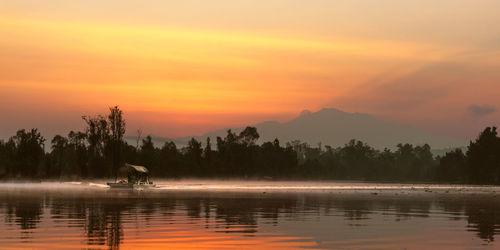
column 345, row 187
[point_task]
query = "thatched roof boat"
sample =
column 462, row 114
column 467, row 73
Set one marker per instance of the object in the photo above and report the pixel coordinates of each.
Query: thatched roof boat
column 132, row 176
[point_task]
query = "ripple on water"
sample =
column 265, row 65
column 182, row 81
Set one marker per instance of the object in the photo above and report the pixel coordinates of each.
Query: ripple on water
column 286, row 216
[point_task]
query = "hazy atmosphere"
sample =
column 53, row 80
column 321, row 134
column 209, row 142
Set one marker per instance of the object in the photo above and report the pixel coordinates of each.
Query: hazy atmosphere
column 182, row 68
column 245, row 124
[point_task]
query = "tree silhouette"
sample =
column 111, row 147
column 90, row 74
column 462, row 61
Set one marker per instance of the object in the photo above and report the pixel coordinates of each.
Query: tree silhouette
column 483, row 158
column 100, row 149
column 97, row 132
column 117, row 127
column 79, row 150
column 248, row 136
column 59, row 156
column 29, row 152
column 452, row 167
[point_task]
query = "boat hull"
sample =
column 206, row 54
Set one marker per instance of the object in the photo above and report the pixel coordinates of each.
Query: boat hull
column 129, row 186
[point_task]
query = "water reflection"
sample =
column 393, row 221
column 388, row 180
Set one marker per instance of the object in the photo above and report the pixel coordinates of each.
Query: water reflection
column 111, row 219
column 483, row 217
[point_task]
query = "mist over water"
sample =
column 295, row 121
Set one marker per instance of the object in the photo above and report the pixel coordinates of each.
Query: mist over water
column 200, row 214
column 245, row 185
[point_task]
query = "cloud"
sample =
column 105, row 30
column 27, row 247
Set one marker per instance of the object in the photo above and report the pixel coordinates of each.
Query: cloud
column 481, row 110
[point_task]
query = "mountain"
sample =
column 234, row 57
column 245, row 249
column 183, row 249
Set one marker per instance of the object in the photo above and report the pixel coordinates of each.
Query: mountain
column 335, row 128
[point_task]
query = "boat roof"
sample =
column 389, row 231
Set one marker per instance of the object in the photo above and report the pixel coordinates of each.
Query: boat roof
column 135, row 168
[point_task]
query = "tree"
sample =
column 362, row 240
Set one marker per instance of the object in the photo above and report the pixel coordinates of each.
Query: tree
column 425, row 164
column 483, row 158
column 358, row 160
column 207, row 157
column 452, row 167
column 58, row 156
column 117, row 127
column 248, row 136
column 170, row 160
column 414, row 163
column 7, row 158
column 193, row 156
column 97, row 135
column 79, row 152
column 29, row 152
column 147, row 154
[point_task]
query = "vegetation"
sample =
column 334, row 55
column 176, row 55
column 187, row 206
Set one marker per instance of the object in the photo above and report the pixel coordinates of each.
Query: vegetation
column 99, row 150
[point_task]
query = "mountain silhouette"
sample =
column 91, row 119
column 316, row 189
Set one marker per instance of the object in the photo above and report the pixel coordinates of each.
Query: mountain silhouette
column 335, row 128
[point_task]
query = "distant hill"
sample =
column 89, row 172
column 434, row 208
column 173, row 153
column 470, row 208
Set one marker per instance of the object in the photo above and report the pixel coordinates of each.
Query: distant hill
column 335, row 128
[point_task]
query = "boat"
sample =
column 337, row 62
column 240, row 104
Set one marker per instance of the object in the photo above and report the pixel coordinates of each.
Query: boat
column 132, row 177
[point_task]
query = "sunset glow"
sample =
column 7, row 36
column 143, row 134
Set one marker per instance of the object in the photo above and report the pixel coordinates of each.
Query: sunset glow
column 180, row 75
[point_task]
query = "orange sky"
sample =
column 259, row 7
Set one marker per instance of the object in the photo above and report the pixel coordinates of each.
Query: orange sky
column 186, row 68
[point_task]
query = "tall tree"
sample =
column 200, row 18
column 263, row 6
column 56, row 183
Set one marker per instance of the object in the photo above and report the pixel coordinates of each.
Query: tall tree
column 97, row 135
column 147, row 154
column 79, row 150
column 207, row 157
column 58, row 156
column 193, row 156
column 117, row 127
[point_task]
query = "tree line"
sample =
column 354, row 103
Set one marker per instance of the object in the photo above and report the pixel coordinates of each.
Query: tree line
column 99, row 150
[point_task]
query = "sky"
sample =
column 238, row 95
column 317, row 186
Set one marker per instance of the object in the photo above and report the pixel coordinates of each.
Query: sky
column 180, row 68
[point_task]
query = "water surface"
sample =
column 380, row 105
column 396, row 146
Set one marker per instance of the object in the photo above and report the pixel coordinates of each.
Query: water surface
column 229, row 215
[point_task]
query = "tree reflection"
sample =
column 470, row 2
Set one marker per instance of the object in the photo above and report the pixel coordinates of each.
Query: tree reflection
column 483, row 217
column 102, row 218
column 96, row 226
column 25, row 213
column 115, row 231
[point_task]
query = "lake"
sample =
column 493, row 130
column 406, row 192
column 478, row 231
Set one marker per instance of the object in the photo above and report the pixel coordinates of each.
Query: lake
column 249, row 215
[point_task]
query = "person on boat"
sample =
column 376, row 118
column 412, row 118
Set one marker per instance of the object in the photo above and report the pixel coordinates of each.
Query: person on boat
column 132, row 179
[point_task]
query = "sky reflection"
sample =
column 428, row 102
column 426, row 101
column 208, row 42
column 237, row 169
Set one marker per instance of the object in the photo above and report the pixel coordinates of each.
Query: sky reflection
column 108, row 219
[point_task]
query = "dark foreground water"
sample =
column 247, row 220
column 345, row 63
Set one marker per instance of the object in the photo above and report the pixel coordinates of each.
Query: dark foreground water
column 250, row 216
